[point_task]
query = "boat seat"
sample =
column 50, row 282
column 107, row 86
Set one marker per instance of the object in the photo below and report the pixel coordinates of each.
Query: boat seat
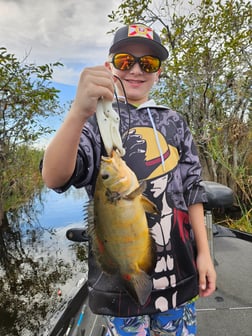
column 219, row 196
column 78, row 235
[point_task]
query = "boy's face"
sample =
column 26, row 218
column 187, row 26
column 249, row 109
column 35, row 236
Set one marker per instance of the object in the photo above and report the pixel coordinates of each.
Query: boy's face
column 136, row 82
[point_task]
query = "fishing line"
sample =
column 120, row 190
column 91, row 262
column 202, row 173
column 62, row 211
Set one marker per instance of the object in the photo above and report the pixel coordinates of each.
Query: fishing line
column 127, row 107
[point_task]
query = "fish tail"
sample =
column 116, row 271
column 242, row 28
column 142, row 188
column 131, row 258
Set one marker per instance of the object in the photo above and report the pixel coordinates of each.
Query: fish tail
column 138, row 286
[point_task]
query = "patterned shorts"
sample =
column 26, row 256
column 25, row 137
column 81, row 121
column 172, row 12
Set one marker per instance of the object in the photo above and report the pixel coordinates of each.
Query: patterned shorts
column 175, row 322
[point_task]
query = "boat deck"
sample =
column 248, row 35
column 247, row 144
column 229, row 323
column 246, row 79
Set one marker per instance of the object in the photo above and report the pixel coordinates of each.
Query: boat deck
column 228, row 312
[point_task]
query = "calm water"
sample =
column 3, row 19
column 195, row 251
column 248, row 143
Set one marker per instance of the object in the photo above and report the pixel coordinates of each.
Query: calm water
column 40, row 269
column 60, row 210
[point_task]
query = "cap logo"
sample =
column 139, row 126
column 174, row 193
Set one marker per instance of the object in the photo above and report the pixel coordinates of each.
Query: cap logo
column 140, row 31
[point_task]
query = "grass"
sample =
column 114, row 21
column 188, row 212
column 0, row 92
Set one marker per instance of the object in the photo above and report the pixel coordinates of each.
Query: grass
column 243, row 224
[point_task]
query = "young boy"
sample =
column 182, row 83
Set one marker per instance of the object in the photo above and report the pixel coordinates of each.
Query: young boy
column 159, row 149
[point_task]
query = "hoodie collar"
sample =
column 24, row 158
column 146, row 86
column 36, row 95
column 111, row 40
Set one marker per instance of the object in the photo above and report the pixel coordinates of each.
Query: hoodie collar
column 151, row 104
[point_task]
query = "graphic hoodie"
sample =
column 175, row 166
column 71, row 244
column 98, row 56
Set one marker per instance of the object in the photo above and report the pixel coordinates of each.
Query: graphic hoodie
column 160, row 150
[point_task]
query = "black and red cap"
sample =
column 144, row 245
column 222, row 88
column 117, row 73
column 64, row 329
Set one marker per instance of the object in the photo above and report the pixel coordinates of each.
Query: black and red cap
column 141, row 34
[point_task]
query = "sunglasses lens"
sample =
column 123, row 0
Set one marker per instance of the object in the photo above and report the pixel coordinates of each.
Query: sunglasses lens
column 150, row 63
column 123, row 61
column 126, row 61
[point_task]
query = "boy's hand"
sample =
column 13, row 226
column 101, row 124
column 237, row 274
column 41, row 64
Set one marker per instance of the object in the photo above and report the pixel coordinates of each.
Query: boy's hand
column 207, row 275
column 95, row 82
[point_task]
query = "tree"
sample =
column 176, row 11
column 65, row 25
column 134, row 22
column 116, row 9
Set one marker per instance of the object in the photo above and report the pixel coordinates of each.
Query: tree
column 29, row 271
column 26, row 97
column 207, row 78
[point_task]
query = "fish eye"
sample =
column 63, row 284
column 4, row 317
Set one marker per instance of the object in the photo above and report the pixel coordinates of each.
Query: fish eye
column 105, row 176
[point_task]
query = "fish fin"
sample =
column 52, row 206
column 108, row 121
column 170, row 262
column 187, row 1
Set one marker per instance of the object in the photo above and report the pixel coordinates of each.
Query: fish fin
column 86, row 206
column 90, row 217
column 138, row 286
column 149, row 206
column 138, row 191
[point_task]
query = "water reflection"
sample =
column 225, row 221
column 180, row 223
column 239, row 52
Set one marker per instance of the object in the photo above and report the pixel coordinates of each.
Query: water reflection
column 37, row 263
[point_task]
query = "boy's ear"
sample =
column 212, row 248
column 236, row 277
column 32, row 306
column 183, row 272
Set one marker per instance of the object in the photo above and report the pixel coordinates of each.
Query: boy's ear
column 108, row 65
column 157, row 75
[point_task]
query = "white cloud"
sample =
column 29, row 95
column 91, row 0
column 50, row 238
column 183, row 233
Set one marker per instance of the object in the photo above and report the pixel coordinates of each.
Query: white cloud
column 73, row 32
column 66, row 75
column 70, row 31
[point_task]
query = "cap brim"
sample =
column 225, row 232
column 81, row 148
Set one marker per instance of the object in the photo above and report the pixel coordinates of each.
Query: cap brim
column 158, row 50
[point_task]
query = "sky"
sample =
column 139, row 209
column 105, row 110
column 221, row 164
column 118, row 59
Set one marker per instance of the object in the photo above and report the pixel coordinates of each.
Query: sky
column 73, row 32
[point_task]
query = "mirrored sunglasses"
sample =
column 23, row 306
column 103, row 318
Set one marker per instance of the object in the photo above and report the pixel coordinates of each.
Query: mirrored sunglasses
column 147, row 63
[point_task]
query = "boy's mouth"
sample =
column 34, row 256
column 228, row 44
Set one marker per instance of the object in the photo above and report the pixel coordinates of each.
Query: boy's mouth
column 134, row 81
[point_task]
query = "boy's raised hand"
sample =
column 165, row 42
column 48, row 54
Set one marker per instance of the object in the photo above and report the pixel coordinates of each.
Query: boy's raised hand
column 94, row 82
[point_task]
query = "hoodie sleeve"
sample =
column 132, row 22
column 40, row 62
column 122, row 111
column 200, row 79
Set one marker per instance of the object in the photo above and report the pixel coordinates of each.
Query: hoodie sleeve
column 88, row 159
column 191, row 170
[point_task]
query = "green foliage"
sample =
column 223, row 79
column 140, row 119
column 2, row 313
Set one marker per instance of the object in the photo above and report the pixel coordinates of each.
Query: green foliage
column 28, row 280
column 26, row 97
column 244, row 223
column 22, row 179
column 131, row 11
column 207, row 78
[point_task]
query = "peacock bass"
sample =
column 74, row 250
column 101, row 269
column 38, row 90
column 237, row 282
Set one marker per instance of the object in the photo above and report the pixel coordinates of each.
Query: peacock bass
column 121, row 240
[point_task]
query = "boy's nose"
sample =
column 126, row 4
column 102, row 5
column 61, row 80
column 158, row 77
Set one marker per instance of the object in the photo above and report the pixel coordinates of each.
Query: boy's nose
column 136, row 68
